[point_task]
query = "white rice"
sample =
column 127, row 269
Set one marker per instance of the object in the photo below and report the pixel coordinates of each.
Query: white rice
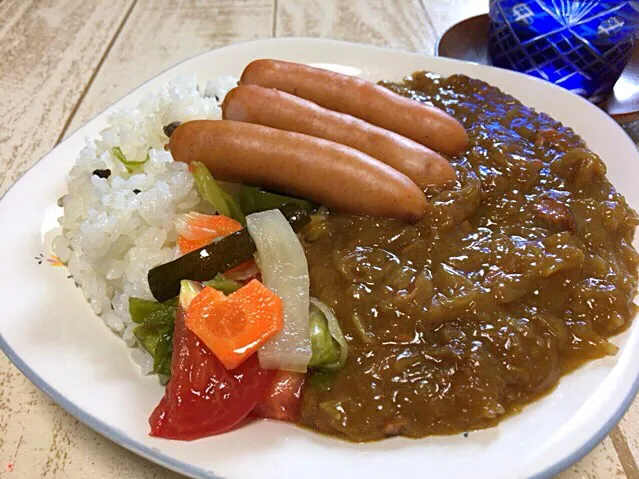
column 112, row 236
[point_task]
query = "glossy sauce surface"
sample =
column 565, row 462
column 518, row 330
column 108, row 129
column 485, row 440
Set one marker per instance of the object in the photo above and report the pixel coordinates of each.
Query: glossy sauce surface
column 516, row 276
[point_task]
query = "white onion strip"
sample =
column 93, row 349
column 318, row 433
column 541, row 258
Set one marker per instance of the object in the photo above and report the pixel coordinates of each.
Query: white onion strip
column 284, row 269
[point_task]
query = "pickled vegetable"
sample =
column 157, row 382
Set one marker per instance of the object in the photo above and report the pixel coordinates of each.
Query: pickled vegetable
column 154, row 330
column 234, row 327
column 224, row 284
column 254, row 200
column 202, row 264
column 214, row 193
column 325, row 349
column 329, row 345
column 207, row 262
column 282, row 263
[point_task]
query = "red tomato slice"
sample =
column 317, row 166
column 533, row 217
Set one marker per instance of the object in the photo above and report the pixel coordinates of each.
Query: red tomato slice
column 283, row 399
column 202, row 397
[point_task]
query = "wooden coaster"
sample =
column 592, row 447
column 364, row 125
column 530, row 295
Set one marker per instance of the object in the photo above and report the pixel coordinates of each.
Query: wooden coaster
column 468, row 41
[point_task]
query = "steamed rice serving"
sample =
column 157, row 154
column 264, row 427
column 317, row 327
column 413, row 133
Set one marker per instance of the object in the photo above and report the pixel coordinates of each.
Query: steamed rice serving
column 115, row 229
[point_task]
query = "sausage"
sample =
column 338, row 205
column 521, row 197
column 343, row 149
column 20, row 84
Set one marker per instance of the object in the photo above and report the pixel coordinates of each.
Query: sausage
column 354, row 96
column 328, row 173
column 277, row 109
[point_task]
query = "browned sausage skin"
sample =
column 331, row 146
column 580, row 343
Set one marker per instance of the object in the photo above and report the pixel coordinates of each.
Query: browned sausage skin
column 277, row 109
column 354, row 96
column 328, row 173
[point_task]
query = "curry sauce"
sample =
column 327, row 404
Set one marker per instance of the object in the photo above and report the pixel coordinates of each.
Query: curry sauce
column 517, row 275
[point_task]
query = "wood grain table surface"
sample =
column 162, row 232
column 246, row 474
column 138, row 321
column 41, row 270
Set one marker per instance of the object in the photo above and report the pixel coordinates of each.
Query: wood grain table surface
column 63, row 61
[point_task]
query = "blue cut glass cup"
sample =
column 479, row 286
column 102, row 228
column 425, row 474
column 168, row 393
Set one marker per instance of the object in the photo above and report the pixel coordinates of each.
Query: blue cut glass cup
column 581, row 45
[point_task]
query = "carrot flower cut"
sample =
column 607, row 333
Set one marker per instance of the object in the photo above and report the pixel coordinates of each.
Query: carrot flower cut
column 235, row 326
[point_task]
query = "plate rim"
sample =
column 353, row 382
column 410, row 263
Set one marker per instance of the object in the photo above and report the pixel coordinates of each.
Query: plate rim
column 154, row 455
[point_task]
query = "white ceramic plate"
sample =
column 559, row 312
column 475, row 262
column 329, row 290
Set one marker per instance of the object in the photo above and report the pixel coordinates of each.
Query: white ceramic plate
column 52, row 336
